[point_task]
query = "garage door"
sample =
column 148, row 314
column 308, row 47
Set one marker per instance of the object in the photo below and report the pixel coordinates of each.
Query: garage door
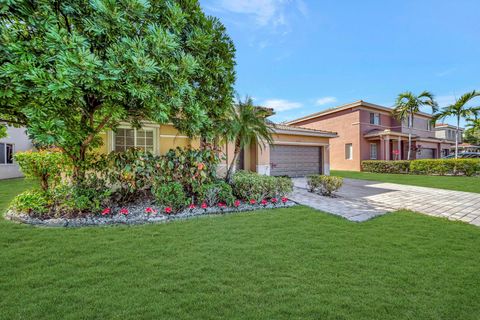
column 426, row 153
column 294, row 161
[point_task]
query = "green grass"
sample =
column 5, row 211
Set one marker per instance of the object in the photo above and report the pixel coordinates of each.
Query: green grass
column 469, row 184
column 292, row 263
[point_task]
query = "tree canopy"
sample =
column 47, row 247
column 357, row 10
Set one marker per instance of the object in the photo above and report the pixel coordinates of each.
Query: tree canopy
column 69, row 69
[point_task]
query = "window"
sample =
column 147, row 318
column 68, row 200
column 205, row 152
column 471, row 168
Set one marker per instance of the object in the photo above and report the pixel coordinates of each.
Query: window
column 373, row 151
column 429, row 125
column 6, row 153
column 375, row 118
column 348, row 151
column 134, row 138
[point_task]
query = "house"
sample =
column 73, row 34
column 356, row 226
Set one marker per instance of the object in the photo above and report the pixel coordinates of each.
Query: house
column 367, row 131
column 16, row 140
column 295, row 151
column 447, row 132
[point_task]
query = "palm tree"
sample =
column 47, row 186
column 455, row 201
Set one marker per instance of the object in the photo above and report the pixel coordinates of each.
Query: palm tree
column 247, row 124
column 459, row 110
column 407, row 105
column 474, row 122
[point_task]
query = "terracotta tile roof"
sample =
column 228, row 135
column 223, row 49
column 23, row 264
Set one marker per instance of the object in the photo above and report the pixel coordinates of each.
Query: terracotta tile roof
column 281, row 126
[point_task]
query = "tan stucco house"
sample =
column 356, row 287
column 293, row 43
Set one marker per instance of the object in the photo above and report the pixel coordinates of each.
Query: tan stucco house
column 367, row 131
column 295, row 151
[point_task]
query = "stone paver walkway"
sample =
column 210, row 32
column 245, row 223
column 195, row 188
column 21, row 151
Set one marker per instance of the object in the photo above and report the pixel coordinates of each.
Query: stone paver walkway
column 360, row 200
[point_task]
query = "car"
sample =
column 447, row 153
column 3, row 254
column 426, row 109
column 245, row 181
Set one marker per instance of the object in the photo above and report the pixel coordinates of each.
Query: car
column 464, row 155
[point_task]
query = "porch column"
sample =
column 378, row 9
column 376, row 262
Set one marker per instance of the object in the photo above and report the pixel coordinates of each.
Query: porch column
column 399, row 148
column 387, row 148
column 381, row 152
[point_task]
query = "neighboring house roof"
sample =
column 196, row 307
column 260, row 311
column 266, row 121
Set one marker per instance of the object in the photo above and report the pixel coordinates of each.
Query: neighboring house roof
column 289, row 129
column 446, row 125
column 359, row 103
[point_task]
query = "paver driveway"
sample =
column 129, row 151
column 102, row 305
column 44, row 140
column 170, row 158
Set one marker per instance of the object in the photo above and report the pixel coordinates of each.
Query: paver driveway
column 360, row 200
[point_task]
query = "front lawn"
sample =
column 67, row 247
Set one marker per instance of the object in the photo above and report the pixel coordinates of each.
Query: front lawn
column 293, row 263
column 457, row 183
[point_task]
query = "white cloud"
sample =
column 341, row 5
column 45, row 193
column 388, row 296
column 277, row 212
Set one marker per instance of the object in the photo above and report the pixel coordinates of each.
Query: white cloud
column 325, row 100
column 280, row 105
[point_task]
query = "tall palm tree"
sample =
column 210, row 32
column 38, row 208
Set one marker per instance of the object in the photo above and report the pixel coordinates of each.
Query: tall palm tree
column 459, row 110
column 407, row 105
column 474, row 121
column 248, row 124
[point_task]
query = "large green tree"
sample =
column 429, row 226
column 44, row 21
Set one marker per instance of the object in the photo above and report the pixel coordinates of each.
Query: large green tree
column 459, row 110
column 409, row 104
column 70, row 69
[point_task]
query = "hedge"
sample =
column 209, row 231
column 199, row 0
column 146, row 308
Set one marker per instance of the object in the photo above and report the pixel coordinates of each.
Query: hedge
column 381, row 166
column 467, row 167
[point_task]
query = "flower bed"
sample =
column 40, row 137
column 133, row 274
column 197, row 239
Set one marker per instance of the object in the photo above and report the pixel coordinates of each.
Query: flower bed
column 135, row 214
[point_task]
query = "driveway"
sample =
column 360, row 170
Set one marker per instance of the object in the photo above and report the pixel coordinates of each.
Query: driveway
column 360, row 200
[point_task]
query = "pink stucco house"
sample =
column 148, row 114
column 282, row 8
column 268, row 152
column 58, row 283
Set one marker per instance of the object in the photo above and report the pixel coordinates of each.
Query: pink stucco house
column 368, row 131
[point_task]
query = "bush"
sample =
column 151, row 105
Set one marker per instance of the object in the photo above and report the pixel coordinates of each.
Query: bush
column 325, row 185
column 250, row 185
column 32, row 202
column 466, row 167
column 133, row 173
column 214, row 193
column 46, row 165
column 73, row 201
column 381, row 166
column 170, row 194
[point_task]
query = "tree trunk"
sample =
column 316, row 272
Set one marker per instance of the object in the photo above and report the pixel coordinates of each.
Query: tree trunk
column 410, row 124
column 78, row 174
column 456, row 137
column 233, row 164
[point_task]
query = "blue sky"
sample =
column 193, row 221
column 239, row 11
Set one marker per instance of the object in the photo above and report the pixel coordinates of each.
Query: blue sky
column 301, row 56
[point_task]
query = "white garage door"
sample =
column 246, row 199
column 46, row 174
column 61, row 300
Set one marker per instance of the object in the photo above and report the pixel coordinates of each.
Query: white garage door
column 295, row 161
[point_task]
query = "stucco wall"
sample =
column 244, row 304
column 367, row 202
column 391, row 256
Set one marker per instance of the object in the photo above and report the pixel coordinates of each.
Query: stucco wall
column 347, row 124
column 19, row 139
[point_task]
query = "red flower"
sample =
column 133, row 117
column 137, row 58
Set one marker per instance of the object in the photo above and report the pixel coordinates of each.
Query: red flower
column 106, row 211
column 252, row 201
column 150, row 210
column 168, row 210
column 204, row 205
column 236, row 203
column 192, row 206
column 221, row 204
column 124, row 211
column 284, row 199
column 264, row 202
column 274, row 200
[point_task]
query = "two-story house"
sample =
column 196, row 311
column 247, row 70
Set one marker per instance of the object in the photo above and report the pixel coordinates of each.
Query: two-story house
column 368, row 131
column 447, row 132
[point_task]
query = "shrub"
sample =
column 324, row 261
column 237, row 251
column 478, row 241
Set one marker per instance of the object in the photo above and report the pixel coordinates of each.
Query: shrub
column 466, row 167
column 325, row 185
column 250, row 185
column 45, row 165
column 214, row 193
column 381, row 166
column 170, row 194
column 76, row 200
column 32, row 202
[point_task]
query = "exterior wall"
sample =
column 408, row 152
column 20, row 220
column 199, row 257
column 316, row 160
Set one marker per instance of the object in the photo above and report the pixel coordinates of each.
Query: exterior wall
column 167, row 137
column 19, row 138
column 347, row 124
column 419, row 128
column 442, row 133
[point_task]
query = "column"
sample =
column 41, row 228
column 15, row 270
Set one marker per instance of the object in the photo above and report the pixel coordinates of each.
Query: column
column 387, row 148
column 399, row 147
column 381, row 152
